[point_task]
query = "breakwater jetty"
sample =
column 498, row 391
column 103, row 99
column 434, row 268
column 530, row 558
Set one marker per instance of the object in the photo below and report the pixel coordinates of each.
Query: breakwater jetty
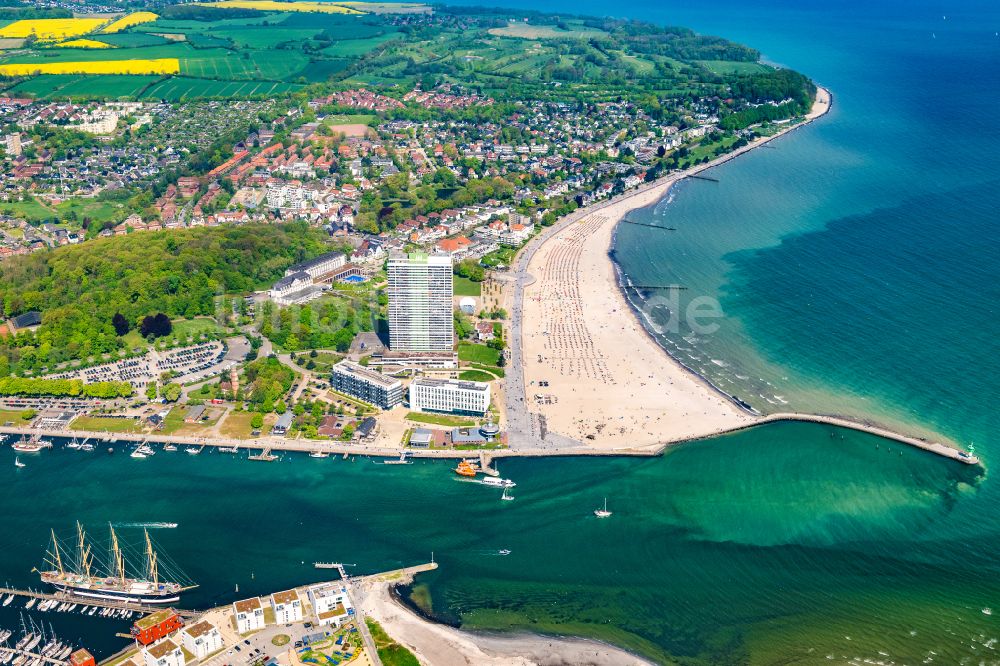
column 266, row 448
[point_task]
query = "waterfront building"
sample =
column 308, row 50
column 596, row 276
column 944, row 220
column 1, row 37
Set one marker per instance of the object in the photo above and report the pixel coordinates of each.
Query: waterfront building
column 249, row 615
column 368, row 385
column 153, row 627
column 283, row 423
column 201, row 639
column 82, row 658
column 450, row 396
column 421, row 438
column 164, row 653
column 331, row 604
column 445, row 360
column 287, row 607
column 421, row 288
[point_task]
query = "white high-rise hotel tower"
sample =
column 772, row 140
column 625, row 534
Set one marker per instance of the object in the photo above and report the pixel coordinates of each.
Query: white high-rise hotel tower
column 421, row 289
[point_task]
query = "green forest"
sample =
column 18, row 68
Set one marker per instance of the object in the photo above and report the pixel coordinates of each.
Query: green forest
column 79, row 289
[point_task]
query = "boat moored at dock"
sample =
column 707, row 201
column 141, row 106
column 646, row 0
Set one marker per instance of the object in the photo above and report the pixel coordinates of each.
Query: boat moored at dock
column 77, row 575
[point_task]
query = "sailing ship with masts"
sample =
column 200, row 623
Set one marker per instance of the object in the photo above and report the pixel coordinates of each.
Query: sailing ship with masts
column 76, row 572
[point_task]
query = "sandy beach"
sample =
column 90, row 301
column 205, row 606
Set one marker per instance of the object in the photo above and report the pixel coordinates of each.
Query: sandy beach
column 441, row 645
column 591, row 371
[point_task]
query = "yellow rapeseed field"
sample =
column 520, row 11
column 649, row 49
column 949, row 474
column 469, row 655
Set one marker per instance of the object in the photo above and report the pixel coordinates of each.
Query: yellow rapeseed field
column 132, row 19
column 84, row 44
column 157, row 66
column 50, row 28
column 272, row 6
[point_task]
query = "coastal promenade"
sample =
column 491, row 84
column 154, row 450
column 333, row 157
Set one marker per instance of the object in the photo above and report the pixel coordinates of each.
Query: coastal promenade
column 278, row 444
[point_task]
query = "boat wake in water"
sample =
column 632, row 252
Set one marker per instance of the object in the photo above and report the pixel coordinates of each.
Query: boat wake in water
column 148, row 526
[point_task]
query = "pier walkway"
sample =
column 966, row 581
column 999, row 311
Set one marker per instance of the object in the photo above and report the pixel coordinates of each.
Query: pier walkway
column 33, row 656
column 530, row 449
column 87, row 601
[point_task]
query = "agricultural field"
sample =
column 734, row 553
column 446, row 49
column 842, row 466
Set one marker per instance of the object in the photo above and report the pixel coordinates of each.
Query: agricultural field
column 528, row 31
column 125, row 22
column 49, row 29
column 176, row 89
column 159, row 66
column 273, row 6
column 235, row 48
column 731, row 67
column 61, row 85
column 83, row 44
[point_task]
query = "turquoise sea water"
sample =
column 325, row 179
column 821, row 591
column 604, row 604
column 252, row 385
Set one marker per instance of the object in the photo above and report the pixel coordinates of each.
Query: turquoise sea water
column 857, row 265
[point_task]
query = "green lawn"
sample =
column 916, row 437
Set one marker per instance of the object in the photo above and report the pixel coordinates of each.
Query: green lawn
column 390, row 652
column 187, row 328
column 349, row 119
column 12, row 417
column 105, row 424
column 474, row 353
column 475, row 376
column 440, row 419
column 466, row 287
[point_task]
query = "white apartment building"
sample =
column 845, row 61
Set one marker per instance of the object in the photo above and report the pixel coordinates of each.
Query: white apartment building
column 164, row 653
column 321, row 265
column 201, row 639
column 249, row 615
column 287, row 607
column 421, row 288
column 331, row 604
column 451, row 396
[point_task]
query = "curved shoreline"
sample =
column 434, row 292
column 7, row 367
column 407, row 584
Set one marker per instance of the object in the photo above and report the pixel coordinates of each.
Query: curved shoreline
column 538, row 256
column 440, row 644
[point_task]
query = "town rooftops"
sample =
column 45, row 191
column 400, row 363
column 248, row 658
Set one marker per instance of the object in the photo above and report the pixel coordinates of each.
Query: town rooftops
column 366, row 426
column 422, row 437
column 162, row 649
column 285, row 420
column 361, row 372
column 33, row 318
column 453, row 383
column 155, row 618
column 248, row 605
column 81, row 656
column 312, row 263
column 291, row 279
column 202, row 628
column 326, row 590
column 286, row 597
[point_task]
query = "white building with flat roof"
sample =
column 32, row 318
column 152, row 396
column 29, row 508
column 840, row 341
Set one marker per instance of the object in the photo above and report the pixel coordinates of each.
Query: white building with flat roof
column 249, row 615
column 366, row 384
column 421, row 288
column 331, row 604
column 287, row 607
column 201, row 639
column 164, row 653
column 451, row 396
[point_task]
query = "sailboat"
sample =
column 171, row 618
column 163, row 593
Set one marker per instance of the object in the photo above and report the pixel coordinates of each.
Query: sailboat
column 506, row 496
column 79, row 576
column 18, row 463
column 603, row 513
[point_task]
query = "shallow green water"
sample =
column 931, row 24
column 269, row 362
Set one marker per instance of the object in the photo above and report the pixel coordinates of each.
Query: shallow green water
column 774, row 541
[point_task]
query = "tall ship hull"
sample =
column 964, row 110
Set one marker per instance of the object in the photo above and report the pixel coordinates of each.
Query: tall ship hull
column 119, row 580
column 99, row 590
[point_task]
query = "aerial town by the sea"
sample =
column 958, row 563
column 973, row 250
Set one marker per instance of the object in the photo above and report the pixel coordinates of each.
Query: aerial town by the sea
column 287, row 230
